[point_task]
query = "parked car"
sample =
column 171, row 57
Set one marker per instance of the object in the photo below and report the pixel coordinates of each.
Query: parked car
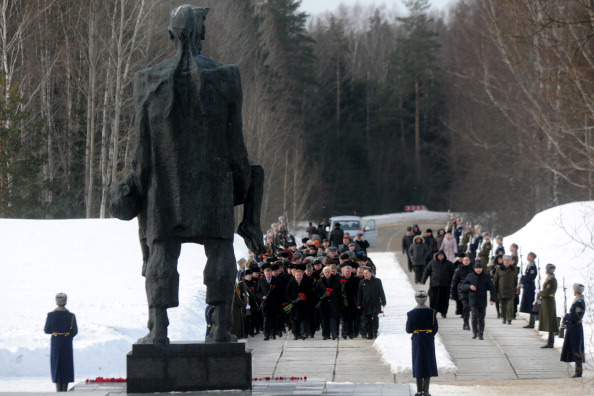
column 353, row 225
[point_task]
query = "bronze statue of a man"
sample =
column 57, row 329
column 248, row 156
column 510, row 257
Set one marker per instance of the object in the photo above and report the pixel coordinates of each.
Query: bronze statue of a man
column 190, row 169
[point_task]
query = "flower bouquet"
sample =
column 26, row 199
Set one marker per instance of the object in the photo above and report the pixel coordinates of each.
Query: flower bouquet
column 289, row 307
column 325, row 297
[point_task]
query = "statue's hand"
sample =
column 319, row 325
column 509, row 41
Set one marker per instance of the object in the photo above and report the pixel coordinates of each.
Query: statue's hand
column 252, row 236
column 123, row 199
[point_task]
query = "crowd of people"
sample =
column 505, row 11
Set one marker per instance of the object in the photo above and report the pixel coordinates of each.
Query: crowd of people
column 462, row 264
column 327, row 283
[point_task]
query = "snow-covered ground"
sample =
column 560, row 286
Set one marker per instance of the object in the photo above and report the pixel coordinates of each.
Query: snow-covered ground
column 98, row 262
column 393, row 343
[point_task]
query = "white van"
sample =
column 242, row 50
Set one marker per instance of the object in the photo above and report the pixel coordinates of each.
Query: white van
column 353, row 225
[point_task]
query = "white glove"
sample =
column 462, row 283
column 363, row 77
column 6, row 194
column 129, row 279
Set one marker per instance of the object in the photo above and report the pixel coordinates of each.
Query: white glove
column 537, row 291
column 248, row 306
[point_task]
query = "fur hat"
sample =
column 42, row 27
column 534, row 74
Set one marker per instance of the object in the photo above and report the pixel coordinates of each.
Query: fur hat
column 550, row 268
column 577, row 287
column 421, row 297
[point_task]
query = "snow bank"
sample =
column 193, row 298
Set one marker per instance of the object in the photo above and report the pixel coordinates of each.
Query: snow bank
column 564, row 236
column 393, row 343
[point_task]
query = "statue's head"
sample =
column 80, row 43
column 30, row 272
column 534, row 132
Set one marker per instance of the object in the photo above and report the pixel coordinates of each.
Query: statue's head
column 61, row 299
column 187, row 23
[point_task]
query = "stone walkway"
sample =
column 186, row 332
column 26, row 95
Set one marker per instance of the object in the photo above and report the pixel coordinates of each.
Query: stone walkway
column 508, row 352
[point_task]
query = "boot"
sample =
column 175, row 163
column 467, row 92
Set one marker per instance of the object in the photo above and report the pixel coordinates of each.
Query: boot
column 426, row 382
column 419, row 387
column 578, row 370
column 531, row 322
column 551, row 341
column 481, row 336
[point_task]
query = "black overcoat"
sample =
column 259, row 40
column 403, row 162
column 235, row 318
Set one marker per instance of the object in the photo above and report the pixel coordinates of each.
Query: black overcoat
column 371, row 296
column 274, row 292
column 441, row 273
column 301, row 309
column 62, row 326
column 421, row 322
column 331, row 300
column 483, row 283
column 573, row 344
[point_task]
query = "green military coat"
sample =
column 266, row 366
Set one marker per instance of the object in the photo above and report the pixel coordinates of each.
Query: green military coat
column 548, row 309
column 505, row 281
column 484, row 256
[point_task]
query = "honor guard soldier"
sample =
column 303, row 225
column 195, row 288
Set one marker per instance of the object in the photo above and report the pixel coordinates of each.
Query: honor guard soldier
column 548, row 308
column 529, row 289
column 61, row 324
column 421, row 322
column 573, row 344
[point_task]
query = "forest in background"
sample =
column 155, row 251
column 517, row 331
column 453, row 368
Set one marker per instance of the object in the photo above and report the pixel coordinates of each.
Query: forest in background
column 358, row 111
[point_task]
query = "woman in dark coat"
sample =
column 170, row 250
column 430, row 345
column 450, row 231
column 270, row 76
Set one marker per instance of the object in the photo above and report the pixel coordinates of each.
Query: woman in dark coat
column 329, row 292
column 61, row 324
column 422, row 324
column 573, row 344
column 441, row 271
column 418, row 253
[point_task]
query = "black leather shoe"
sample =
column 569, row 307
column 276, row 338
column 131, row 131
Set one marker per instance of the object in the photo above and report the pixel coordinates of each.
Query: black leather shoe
column 528, row 327
column 334, row 336
column 548, row 346
column 481, row 337
column 576, row 376
column 509, row 322
column 266, row 338
column 474, row 336
column 326, row 338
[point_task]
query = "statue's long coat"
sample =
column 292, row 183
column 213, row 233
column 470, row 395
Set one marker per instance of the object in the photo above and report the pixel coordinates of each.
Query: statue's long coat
column 191, row 164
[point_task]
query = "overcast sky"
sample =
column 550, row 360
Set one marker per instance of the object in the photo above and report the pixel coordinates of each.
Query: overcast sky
column 317, row 6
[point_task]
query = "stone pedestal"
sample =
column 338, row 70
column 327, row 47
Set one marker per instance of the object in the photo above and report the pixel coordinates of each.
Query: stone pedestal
column 188, row 366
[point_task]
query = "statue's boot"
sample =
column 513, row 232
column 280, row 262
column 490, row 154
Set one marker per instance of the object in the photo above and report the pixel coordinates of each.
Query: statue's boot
column 157, row 324
column 221, row 324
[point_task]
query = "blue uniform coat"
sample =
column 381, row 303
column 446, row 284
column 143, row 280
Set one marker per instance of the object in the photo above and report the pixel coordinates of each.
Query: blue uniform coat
column 62, row 326
column 573, row 344
column 528, row 288
column 422, row 324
